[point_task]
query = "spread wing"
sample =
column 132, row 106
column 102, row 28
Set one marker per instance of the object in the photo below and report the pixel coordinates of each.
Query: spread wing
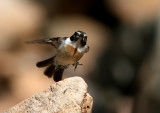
column 51, row 41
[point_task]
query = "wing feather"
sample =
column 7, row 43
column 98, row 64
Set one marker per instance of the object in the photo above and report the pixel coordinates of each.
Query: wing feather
column 51, row 41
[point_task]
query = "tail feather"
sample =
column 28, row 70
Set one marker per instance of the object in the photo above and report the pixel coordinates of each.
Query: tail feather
column 50, row 70
column 58, row 74
column 45, row 62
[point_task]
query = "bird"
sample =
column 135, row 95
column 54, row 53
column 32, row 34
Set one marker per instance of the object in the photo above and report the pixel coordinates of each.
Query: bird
column 69, row 51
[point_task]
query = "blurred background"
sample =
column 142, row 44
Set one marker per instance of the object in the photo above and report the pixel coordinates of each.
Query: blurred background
column 122, row 68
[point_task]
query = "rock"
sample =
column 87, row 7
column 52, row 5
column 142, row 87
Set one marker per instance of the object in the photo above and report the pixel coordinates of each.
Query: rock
column 67, row 96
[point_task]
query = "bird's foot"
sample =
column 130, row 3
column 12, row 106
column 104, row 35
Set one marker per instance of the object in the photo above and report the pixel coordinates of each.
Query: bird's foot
column 76, row 64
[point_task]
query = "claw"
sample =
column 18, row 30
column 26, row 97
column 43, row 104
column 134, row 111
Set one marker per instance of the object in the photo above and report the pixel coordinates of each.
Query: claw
column 76, row 64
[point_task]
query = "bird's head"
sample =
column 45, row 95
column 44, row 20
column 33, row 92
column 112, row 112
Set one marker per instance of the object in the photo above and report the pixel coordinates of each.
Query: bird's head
column 79, row 36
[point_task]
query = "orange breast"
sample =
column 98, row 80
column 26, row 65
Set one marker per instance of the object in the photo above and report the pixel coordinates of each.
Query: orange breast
column 70, row 49
column 73, row 52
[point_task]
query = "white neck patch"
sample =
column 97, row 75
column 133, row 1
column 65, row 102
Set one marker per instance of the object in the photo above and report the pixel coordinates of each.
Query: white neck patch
column 80, row 49
column 69, row 42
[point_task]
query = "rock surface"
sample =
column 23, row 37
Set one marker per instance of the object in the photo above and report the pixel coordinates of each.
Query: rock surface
column 67, row 96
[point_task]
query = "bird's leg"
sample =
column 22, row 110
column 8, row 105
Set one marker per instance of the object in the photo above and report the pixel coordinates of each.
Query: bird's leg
column 56, row 66
column 76, row 64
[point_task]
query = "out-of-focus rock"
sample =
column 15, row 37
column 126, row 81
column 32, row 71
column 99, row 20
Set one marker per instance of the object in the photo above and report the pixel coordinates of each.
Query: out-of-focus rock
column 67, row 96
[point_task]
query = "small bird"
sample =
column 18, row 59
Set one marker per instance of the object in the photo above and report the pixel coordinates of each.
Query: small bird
column 69, row 51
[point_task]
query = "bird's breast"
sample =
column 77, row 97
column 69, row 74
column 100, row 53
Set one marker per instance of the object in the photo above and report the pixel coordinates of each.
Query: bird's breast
column 73, row 52
column 69, row 55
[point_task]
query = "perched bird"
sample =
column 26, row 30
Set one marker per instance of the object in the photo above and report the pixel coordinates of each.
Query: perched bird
column 69, row 51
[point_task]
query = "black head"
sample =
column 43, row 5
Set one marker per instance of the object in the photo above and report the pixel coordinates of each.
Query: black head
column 79, row 34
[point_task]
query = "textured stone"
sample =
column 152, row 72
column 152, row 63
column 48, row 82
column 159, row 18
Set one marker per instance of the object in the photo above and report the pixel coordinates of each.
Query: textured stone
column 67, row 96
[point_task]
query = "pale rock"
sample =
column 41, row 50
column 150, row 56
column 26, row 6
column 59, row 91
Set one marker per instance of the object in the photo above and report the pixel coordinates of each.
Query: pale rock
column 67, row 96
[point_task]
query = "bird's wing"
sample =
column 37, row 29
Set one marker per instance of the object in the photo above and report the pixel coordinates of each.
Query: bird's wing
column 46, row 62
column 52, row 41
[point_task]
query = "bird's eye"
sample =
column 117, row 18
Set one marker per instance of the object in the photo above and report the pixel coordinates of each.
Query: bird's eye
column 74, row 37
